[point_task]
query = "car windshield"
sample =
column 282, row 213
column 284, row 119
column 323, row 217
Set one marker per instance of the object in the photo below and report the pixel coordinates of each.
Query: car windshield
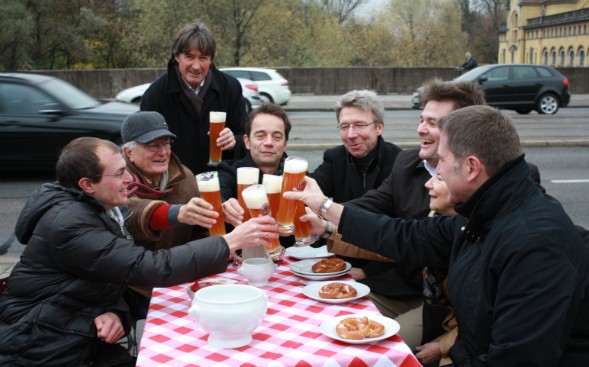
column 69, row 95
column 472, row 75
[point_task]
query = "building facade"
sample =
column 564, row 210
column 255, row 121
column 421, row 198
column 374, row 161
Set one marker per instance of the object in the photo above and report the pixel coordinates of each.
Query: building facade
column 546, row 32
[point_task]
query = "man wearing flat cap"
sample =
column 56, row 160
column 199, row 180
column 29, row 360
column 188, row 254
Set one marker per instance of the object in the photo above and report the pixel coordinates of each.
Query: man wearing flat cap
column 165, row 204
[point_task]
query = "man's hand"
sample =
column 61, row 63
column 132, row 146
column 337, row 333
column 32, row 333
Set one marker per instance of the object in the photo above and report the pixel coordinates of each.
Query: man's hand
column 226, row 140
column 357, row 274
column 197, row 212
column 233, row 212
column 254, row 232
column 429, row 352
column 109, row 327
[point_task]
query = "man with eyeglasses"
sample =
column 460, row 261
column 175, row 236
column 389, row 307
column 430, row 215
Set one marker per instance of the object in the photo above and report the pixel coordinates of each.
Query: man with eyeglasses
column 63, row 303
column 165, row 203
column 361, row 163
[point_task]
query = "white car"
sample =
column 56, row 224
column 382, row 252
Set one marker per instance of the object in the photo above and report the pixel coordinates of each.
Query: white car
column 273, row 87
column 249, row 91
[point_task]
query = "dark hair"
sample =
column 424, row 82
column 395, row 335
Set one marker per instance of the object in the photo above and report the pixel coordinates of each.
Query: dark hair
column 463, row 94
column 268, row 109
column 78, row 159
column 365, row 100
column 195, row 36
column 484, row 132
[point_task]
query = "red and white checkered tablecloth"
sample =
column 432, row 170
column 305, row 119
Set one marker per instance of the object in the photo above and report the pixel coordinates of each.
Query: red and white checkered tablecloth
column 290, row 334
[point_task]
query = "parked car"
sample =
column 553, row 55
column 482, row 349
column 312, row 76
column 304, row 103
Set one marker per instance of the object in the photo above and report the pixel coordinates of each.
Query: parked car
column 273, row 87
column 518, row 87
column 40, row 114
column 249, row 91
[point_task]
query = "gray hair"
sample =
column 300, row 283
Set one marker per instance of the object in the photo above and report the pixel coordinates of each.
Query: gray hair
column 363, row 99
column 195, row 36
column 131, row 145
column 484, row 132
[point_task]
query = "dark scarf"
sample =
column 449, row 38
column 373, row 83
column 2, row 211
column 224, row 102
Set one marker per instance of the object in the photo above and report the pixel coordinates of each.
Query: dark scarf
column 196, row 100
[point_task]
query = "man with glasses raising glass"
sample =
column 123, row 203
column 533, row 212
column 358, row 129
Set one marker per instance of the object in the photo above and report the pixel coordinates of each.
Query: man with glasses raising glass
column 165, row 203
column 361, row 163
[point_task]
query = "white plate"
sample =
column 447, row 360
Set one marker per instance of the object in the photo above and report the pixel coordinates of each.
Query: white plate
column 308, row 252
column 391, row 327
column 312, row 291
column 304, row 267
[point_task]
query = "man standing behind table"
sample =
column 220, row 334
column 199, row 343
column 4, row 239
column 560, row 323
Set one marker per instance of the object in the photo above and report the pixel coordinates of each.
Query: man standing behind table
column 402, row 194
column 266, row 138
column 361, row 163
column 63, row 303
column 518, row 270
column 191, row 88
column 165, row 206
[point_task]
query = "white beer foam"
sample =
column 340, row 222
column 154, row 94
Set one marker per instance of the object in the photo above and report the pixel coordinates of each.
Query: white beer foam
column 295, row 165
column 272, row 183
column 217, row 117
column 255, row 197
column 247, row 175
column 210, row 183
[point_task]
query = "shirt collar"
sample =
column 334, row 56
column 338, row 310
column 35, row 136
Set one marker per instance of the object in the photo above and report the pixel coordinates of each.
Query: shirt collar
column 431, row 169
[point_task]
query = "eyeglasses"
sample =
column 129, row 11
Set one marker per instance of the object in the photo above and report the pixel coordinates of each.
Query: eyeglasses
column 119, row 174
column 356, row 127
column 155, row 147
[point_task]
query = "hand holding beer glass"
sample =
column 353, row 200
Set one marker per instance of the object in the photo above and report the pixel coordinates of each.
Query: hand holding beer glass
column 273, row 186
column 303, row 235
column 216, row 125
column 295, row 169
column 246, row 176
column 256, row 201
column 210, row 191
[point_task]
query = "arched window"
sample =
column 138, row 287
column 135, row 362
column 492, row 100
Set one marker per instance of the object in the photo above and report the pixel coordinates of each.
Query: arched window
column 562, row 57
column 531, row 55
column 571, row 57
column 581, row 57
column 545, row 57
column 553, row 57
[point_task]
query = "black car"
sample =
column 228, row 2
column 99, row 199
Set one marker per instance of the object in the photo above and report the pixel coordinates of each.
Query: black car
column 519, row 87
column 40, row 114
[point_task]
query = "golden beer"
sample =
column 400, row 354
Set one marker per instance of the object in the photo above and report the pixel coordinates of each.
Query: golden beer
column 303, row 235
column 216, row 125
column 210, row 191
column 246, row 176
column 295, row 169
column 256, row 201
column 273, row 186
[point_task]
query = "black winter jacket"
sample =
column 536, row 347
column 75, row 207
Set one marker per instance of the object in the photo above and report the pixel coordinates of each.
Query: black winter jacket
column 518, row 276
column 74, row 268
column 167, row 97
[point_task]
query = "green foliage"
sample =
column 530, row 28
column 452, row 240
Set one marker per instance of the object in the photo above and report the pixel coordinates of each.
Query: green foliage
column 89, row 34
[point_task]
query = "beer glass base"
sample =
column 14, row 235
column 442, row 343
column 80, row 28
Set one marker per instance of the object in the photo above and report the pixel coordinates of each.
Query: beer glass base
column 213, row 164
column 276, row 255
column 299, row 242
column 286, row 229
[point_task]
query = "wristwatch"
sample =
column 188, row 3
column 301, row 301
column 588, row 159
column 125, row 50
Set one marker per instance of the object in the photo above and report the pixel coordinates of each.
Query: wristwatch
column 324, row 207
column 329, row 228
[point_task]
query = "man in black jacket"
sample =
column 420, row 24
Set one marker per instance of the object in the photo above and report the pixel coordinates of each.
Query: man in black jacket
column 518, row 275
column 192, row 88
column 361, row 163
column 63, row 303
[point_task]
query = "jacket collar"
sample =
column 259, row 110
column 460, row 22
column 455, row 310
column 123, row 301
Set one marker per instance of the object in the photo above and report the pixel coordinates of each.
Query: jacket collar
column 500, row 193
column 248, row 161
column 141, row 186
column 379, row 148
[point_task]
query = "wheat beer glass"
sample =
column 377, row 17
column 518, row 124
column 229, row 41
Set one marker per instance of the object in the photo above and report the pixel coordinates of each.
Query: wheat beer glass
column 303, row 236
column 216, row 124
column 210, row 191
column 295, row 169
column 256, row 201
column 246, row 176
column 273, row 186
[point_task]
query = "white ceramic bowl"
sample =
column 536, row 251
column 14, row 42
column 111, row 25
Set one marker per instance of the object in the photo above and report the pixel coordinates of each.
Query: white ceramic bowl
column 229, row 313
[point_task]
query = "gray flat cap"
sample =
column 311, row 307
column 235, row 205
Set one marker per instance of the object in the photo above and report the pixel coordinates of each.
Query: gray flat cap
column 144, row 127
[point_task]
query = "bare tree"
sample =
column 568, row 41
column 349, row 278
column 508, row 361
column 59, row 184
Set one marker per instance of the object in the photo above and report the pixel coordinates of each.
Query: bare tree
column 341, row 8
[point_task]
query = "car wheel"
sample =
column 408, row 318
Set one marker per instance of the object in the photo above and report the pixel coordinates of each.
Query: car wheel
column 548, row 104
column 266, row 98
column 523, row 111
